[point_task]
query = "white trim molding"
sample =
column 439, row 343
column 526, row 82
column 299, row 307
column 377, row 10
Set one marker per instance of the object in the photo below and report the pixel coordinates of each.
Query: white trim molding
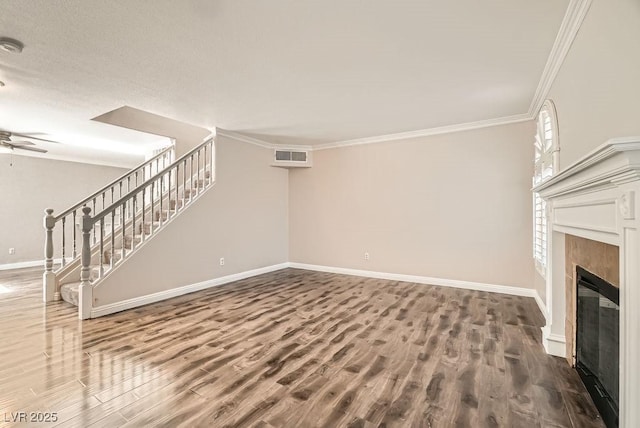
column 31, row 263
column 245, row 138
column 610, row 165
column 542, row 306
column 21, row 265
column 258, row 142
column 427, row 132
column 174, row 292
column 380, row 138
column 571, row 23
column 554, row 344
column 179, row 291
column 454, row 283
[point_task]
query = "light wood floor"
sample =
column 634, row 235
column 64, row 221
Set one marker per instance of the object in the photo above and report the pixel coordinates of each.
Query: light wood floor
column 291, row 348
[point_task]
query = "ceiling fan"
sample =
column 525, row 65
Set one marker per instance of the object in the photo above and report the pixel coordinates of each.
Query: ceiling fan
column 7, row 144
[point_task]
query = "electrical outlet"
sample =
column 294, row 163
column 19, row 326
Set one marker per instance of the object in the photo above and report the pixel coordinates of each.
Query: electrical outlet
column 366, row 256
column 221, row 261
column 12, row 251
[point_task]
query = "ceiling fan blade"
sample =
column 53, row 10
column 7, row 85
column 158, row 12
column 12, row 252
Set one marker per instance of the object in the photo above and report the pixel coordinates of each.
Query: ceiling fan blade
column 36, row 138
column 31, row 149
column 22, row 143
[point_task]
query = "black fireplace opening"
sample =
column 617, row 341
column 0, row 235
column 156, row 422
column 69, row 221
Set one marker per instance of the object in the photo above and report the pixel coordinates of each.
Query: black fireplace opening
column 597, row 342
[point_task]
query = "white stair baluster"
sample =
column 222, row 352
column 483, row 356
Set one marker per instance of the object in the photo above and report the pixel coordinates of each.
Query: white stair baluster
column 64, row 261
column 101, row 247
column 177, row 173
column 94, row 210
column 123, row 225
column 144, row 208
column 191, row 180
column 74, row 235
column 85, row 300
column 153, row 185
column 49, row 278
column 113, row 239
column 184, row 182
column 161, row 192
column 133, row 223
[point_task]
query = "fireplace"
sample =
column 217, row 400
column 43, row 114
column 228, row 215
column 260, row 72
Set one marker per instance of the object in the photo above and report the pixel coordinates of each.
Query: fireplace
column 597, row 342
column 597, row 200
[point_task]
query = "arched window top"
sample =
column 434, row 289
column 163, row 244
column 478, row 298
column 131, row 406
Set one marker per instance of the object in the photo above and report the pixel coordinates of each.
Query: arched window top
column 546, row 143
column 546, row 163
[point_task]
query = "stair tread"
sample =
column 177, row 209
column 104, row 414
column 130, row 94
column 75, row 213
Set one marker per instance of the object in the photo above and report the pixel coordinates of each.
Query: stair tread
column 70, row 292
column 105, row 266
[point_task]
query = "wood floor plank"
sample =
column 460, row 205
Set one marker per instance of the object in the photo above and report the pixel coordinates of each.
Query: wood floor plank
column 287, row 349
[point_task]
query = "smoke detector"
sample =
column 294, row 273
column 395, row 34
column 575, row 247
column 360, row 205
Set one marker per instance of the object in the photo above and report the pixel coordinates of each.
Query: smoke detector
column 11, row 45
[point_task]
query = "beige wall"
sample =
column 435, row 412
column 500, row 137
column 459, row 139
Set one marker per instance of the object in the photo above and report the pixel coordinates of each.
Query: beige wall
column 243, row 218
column 454, row 206
column 30, row 186
column 597, row 91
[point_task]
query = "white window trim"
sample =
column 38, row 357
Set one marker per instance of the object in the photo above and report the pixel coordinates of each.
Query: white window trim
column 552, row 155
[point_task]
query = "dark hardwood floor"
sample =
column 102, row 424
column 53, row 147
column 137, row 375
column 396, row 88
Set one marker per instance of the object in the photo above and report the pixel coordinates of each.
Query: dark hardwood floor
column 288, row 349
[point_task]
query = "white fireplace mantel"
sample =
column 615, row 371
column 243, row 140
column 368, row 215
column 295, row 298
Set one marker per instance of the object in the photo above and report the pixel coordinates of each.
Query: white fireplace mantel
column 597, row 198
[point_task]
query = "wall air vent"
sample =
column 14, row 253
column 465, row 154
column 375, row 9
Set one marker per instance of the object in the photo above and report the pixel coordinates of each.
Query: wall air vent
column 291, row 158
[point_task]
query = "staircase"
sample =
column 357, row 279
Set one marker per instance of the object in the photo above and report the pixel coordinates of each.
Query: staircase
column 113, row 223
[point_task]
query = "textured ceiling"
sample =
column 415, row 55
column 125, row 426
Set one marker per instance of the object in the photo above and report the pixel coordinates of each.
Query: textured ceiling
column 286, row 71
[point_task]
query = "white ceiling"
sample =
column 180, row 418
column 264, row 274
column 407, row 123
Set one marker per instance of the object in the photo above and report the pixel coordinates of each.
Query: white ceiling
column 287, row 72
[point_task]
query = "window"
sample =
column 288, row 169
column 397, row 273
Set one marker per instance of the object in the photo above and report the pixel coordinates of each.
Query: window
column 546, row 164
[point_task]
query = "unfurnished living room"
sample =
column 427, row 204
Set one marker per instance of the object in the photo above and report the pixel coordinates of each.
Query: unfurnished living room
column 300, row 213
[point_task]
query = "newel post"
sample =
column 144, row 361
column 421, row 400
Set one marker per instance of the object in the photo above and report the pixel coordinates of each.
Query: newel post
column 48, row 278
column 85, row 297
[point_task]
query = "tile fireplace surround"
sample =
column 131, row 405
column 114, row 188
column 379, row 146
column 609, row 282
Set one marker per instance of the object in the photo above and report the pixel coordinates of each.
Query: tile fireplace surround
column 597, row 198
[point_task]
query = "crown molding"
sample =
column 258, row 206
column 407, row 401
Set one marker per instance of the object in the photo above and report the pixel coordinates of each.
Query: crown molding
column 381, row 138
column 427, row 132
column 257, row 142
column 571, row 23
column 245, row 139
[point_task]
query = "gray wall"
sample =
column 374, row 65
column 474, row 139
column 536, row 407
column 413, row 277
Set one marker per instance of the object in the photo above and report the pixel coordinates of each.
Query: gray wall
column 455, row 206
column 243, row 218
column 30, row 186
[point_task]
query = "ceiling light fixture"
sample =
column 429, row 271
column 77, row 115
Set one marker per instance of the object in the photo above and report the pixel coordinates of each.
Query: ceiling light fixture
column 11, row 45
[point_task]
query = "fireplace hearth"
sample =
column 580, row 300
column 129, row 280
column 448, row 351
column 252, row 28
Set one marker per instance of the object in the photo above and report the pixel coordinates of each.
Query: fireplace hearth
column 597, row 342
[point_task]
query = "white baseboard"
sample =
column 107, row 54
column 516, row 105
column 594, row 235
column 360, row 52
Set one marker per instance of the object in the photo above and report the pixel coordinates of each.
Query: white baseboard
column 174, row 292
column 469, row 285
column 167, row 294
column 20, row 265
column 542, row 306
column 554, row 344
column 32, row 263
